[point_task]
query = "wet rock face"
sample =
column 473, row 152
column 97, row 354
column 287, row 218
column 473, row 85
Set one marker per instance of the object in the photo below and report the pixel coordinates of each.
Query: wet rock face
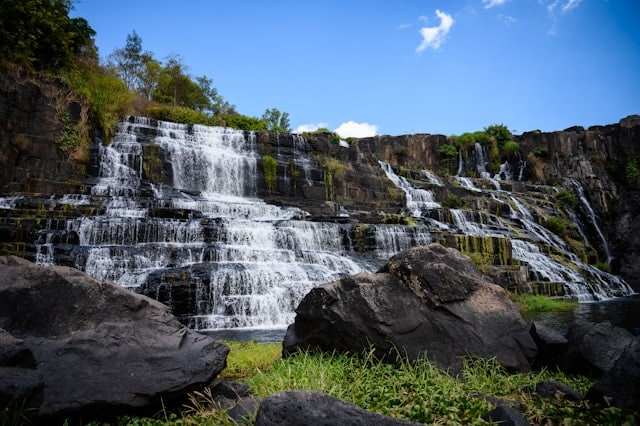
column 70, row 344
column 428, row 301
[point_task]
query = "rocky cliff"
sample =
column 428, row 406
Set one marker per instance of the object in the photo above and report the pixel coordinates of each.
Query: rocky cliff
column 343, row 182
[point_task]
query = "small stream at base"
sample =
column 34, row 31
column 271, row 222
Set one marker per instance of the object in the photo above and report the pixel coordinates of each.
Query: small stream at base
column 621, row 312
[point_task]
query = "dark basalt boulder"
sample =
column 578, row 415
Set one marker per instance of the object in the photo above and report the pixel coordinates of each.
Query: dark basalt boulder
column 72, row 345
column 610, row 354
column 429, row 301
column 315, row 408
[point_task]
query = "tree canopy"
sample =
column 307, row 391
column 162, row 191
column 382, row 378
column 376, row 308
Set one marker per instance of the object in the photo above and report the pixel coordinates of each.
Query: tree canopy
column 39, row 35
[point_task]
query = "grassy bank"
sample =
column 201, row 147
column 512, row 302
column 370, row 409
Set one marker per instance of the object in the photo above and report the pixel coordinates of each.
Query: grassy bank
column 532, row 303
column 418, row 392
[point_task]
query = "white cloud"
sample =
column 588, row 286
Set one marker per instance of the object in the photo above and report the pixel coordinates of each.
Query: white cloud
column 310, row 127
column 404, row 26
column 570, row 5
column 507, row 20
column 351, row 129
column 433, row 37
column 488, row 4
column 565, row 6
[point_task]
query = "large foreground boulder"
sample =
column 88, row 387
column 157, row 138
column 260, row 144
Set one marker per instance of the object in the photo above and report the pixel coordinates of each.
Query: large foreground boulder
column 72, row 345
column 429, row 301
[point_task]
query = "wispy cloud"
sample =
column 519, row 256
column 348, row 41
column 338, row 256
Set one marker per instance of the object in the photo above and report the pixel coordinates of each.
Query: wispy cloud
column 557, row 8
column 564, row 5
column 352, row 129
column 507, row 20
column 404, row 26
column 570, row 5
column 488, row 4
column 310, row 127
column 433, row 37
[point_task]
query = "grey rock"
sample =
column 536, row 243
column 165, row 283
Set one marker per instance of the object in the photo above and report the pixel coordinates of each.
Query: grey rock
column 98, row 346
column 429, row 301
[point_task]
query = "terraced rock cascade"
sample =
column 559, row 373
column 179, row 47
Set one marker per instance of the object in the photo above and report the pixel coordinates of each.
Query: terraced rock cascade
column 184, row 214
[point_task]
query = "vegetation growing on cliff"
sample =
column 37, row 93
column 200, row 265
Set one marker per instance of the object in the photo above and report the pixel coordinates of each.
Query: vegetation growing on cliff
column 270, row 166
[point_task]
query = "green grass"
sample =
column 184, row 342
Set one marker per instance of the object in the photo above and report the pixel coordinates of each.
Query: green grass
column 531, row 303
column 418, row 392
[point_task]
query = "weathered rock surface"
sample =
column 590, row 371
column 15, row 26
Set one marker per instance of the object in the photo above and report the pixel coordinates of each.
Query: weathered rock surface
column 93, row 347
column 314, row 408
column 429, row 301
column 612, row 355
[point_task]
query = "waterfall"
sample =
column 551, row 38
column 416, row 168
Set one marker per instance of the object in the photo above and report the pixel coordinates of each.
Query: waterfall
column 250, row 262
column 481, row 161
column 593, row 218
column 178, row 213
column 419, row 200
column 582, row 281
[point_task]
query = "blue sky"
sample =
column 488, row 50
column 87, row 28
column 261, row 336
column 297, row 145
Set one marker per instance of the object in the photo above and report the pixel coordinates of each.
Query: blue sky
column 398, row 67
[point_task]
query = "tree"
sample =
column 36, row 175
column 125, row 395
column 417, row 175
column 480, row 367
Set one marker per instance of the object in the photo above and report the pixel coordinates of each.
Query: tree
column 216, row 104
column 276, row 120
column 40, row 36
column 129, row 61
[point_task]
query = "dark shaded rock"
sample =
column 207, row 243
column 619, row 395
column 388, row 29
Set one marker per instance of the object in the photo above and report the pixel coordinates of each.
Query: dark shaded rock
column 244, row 410
column 318, row 409
column 555, row 389
column 507, row 416
column 612, row 355
column 100, row 348
column 14, row 353
column 230, row 390
column 551, row 346
column 20, row 384
column 620, row 385
column 593, row 348
column 429, row 301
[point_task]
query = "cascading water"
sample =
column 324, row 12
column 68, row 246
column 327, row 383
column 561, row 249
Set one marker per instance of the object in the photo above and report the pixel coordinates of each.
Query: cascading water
column 419, row 200
column 243, row 263
column 582, row 281
column 250, row 262
column 593, row 218
column 481, row 161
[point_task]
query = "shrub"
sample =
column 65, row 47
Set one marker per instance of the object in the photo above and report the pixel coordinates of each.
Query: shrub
column 333, row 169
column 511, row 148
column 452, row 201
column 108, row 97
column 632, row 170
column 270, row 166
column 448, row 151
column 177, row 114
column 566, row 197
column 556, row 225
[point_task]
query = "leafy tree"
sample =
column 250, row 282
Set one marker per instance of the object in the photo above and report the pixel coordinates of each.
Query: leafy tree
column 276, row 120
column 40, row 36
column 129, row 61
column 149, row 77
column 215, row 103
